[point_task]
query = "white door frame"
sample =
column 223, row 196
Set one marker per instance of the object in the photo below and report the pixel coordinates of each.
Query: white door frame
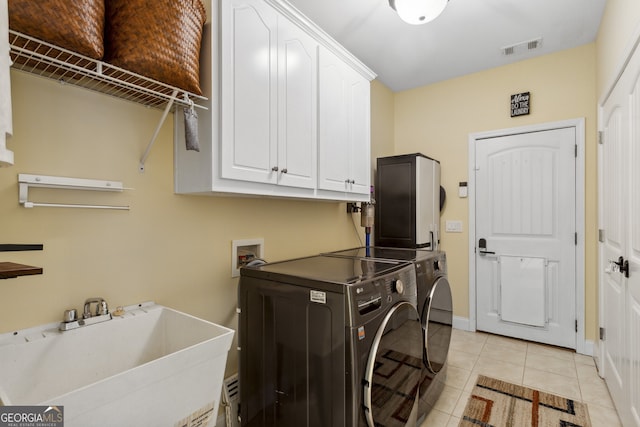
column 578, row 124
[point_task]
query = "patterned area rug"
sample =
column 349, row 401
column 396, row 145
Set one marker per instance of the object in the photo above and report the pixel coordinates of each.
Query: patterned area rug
column 495, row 403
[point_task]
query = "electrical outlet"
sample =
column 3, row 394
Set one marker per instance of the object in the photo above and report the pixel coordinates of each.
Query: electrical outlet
column 352, row 207
column 243, row 252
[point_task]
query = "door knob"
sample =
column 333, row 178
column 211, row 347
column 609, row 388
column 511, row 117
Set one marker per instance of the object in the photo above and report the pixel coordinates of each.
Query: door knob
column 621, row 265
column 625, row 269
column 482, row 245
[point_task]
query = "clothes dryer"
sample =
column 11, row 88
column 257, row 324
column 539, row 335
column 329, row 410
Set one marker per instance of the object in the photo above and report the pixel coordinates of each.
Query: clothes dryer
column 436, row 312
column 329, row 341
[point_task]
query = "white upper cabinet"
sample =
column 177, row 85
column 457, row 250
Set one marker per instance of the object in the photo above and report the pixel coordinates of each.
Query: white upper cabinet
column 344, row 123
column 249, row 92
column 297, row 106
column 268, row 99
column 289, row 113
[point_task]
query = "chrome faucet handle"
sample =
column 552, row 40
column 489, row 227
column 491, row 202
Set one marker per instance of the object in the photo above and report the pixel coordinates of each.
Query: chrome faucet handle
column 102, row 308
column 70, row 315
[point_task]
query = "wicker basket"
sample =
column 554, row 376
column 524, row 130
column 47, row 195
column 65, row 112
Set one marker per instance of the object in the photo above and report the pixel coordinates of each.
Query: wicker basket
column 159, row 39
column 76, row 25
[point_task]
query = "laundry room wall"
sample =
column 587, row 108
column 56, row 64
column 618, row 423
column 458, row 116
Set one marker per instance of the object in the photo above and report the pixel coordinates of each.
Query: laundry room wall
column 173, row 249
column 618, row 31
column 437, row 119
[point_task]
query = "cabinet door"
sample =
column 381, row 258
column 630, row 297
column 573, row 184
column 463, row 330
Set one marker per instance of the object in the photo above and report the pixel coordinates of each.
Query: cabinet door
column 360, row 144
column 249, row 91
column 297, row 112
column 344, row 136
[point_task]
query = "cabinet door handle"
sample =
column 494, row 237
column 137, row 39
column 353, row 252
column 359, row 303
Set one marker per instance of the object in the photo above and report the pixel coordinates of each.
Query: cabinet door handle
column 284, row 170
column 275, row 169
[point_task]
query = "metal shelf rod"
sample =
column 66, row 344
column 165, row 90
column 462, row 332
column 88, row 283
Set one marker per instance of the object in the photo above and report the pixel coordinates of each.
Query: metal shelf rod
column 157, row 131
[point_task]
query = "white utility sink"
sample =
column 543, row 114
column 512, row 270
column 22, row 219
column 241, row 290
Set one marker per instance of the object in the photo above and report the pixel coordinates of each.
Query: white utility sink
column 152, row 366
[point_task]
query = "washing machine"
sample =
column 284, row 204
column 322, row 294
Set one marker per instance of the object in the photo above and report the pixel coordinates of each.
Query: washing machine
column 329, row 341
column 436, row 312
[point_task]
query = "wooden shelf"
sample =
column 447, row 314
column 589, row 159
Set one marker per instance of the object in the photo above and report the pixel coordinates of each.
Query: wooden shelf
column 9, row 247
column 9, row 270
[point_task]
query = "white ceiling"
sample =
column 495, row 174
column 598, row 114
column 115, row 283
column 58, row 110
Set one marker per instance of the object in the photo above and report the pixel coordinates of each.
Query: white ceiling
column 467, row 37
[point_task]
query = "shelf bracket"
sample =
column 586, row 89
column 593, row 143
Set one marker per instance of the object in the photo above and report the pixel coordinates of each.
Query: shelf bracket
column 157, row 131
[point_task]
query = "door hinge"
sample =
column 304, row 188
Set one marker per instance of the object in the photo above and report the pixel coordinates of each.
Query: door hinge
column 576, row 151
column 576, row 238
column 600, row 137
column 576, row 325
column 602, row 334
column 600, row 235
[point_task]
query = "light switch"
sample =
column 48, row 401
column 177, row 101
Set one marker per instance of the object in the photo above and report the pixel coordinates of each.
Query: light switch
column 453, row 226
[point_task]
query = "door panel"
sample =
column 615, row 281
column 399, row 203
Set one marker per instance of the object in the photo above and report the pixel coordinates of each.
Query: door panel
column 632, row 253
column 525, row 192
column 612, row 247
column 344, row 126
column 297, row 113
column 333, row 123
column 620, row 316
column 249, row 128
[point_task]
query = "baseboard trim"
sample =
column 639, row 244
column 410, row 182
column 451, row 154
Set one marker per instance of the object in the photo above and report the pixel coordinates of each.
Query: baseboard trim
column 463, row 324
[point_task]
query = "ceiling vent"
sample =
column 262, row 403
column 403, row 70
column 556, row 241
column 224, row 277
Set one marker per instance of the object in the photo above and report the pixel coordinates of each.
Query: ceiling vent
column 522, row 47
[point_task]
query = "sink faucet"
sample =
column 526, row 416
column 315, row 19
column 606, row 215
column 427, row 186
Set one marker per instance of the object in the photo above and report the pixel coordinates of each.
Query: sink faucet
column 101, row 307
column 70, row 320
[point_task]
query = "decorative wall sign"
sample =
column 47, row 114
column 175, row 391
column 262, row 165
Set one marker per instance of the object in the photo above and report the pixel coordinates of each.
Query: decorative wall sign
column 520, row 104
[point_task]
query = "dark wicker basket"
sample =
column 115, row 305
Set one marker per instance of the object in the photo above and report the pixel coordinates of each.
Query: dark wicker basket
column 76, row 25
column 159, row 39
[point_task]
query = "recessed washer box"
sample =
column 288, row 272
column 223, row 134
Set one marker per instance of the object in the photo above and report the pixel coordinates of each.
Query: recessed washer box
column 243, row 252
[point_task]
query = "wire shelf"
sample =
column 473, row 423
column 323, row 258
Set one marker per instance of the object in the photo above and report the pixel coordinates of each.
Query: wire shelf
column 44, row 59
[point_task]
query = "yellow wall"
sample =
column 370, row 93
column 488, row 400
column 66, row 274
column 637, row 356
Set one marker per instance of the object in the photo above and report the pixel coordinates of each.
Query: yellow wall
column 436, row 120
column 382, row 122
column 620, row 23
column 173, row 249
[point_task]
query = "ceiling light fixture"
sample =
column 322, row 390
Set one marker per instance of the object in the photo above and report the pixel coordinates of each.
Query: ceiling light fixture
column 418, row 12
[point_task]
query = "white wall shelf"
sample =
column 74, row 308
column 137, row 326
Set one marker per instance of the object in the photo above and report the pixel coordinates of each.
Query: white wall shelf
column 44, row 59
column 47, row 60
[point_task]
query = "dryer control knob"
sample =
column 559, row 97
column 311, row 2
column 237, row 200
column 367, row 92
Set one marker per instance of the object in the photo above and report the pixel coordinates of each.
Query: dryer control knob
column 398, row 286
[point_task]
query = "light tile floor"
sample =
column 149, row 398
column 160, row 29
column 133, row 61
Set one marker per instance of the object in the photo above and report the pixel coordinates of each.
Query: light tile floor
column 546, row 368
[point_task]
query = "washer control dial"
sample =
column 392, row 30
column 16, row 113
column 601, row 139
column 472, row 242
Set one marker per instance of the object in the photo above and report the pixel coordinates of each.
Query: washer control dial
column 398, row 286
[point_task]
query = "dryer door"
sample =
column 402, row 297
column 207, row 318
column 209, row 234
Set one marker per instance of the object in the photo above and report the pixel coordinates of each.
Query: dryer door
column 437, row 317
column 393, row 369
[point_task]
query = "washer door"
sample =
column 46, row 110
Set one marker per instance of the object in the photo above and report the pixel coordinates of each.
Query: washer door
column 437, row 317
column 394, row 369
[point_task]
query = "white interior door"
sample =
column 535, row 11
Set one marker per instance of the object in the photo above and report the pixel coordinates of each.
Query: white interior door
column 526, row 235
column 612, row 290
column 620, row 244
